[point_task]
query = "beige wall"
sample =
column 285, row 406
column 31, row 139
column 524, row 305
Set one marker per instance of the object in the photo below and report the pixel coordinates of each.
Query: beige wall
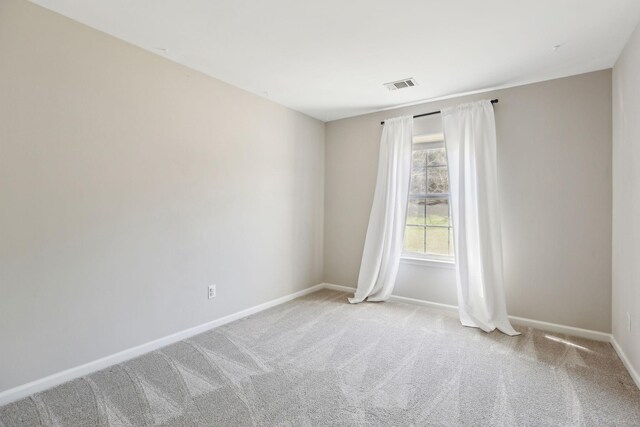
column 554, row 160
column 128, row 184
column 626, row 200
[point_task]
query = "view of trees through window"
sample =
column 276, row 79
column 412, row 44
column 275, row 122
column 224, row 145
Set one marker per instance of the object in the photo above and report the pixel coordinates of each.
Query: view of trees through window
column 428, row 230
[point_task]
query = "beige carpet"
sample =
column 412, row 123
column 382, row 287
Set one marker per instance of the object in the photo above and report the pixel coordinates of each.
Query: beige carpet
column 320, row 361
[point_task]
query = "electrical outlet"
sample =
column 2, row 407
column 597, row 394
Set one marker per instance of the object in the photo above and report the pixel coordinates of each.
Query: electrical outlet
column 212, row 291
column 628, row 321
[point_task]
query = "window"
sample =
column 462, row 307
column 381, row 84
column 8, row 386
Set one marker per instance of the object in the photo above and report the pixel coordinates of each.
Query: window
column 428, row 229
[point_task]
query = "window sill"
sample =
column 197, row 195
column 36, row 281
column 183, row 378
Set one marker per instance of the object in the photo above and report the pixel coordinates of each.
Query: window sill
column 428, row 262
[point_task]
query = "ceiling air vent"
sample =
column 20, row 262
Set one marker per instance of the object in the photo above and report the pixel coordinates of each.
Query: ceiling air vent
column 401, row 84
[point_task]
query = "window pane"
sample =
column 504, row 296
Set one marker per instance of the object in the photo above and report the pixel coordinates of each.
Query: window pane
column 428, row 225
column 437, row 212
column 437, row 180
column 438, row 241
column 417, row 211
column 419, row 157
column 437, row 157
column 418, row 172
column 414, row 240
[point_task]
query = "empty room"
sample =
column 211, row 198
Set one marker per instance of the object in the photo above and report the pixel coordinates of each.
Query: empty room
column 305, row 213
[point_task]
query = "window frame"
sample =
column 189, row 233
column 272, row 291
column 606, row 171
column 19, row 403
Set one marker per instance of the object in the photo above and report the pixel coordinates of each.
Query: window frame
column 435, row 260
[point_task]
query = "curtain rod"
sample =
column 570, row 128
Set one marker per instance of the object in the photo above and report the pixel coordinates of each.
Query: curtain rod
column 493, row 101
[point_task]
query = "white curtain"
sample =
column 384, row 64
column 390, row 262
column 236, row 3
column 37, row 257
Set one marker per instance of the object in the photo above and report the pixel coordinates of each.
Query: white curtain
column 383, row 245
column 470, row 138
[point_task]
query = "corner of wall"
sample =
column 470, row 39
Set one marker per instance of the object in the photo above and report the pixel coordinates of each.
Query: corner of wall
column 625, row 301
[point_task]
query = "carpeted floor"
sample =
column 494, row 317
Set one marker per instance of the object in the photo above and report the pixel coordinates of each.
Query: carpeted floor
column 319, row 361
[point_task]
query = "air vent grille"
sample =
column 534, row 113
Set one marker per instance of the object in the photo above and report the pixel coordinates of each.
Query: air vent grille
column 401, row 84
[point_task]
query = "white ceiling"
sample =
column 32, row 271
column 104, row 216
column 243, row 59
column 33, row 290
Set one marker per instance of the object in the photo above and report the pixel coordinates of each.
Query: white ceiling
column 329, row 58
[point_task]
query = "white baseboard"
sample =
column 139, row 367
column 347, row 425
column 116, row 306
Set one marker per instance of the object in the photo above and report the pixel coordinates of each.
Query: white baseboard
column 395, row 298
column 21, row 391
column 538, row 324
column 50, row 381
column 424, row 303
column 561, row 329
column 545, row 326
column 338, row 287
column 625, row 361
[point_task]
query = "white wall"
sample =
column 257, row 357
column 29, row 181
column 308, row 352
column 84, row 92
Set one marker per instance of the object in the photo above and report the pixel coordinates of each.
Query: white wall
column 128, row 184
column 626, row 200
column 554, row 160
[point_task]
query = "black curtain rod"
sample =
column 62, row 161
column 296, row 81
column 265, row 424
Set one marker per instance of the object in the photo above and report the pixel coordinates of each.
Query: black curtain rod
column 493, row 101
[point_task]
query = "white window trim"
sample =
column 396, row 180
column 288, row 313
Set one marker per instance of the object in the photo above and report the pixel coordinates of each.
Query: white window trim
column 431, row 261
column 432, row 140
